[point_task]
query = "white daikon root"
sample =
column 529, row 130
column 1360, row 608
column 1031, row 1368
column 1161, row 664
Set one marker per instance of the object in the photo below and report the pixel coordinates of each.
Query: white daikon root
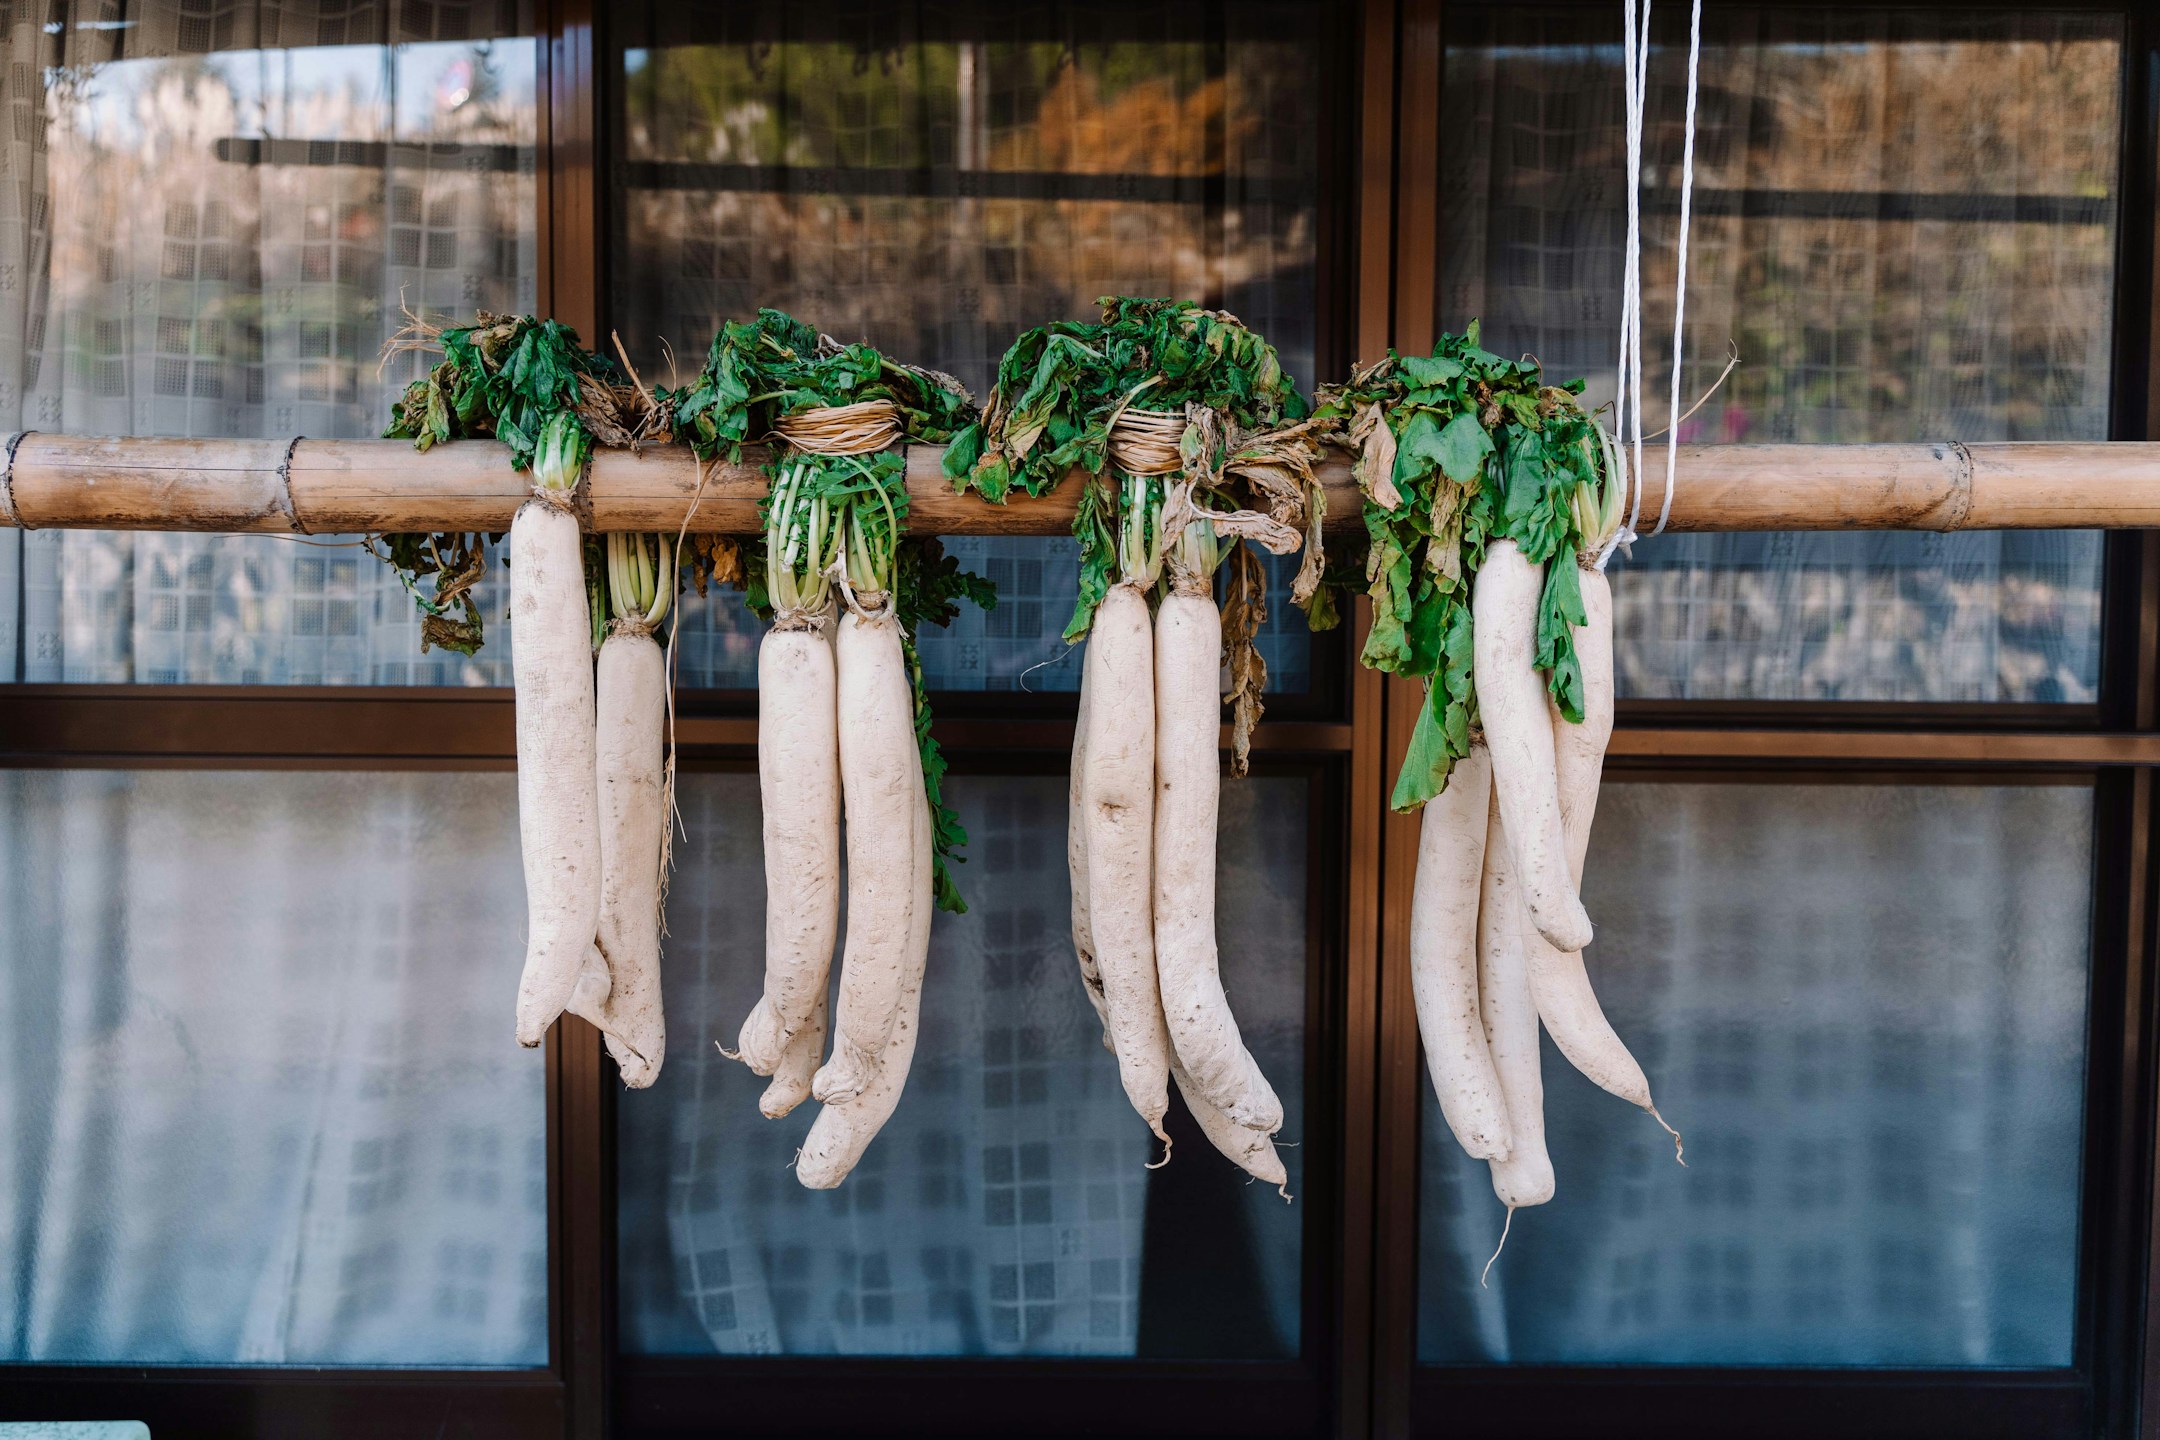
column 1118, row 796
column 1252, row 1150
column 1188, row 785
column 1511, row 699
column 844, row 1128
column 799, row 785
column 1076, row 867
column 1525, row 1177
column 558, row 792
column 881, row 780
column 632, row 743
column 1452, row 846
column 799, row 1061
column 1558, row 980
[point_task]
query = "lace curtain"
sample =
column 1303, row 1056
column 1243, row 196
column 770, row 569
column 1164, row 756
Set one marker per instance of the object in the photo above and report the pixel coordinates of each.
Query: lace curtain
column 1005, row 1209
column 1905, row 226
column 260, row 1101
column 210, row 220
column 1883, row 1096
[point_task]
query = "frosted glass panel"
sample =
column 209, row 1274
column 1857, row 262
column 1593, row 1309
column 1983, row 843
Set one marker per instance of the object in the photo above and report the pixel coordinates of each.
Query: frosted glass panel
column 259, row 1097
column 1894, row 252
column 1004, row 1210
column 216, row 216
column 1864, row 1005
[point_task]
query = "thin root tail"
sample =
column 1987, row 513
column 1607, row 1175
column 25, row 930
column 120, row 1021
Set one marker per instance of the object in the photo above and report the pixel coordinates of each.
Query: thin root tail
column 1506, row 1226
column 1679, row 1151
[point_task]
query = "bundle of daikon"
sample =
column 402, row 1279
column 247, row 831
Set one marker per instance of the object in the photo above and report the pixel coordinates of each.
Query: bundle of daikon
column 1187, row 432
column 1491, row 500
column 592, row 779
column 843, row 721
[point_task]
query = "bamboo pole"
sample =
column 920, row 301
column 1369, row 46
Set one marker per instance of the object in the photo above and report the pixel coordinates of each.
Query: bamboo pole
column 345, row 486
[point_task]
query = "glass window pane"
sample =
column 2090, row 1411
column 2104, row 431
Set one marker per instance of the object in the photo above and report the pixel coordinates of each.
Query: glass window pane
column 259, row 1097
column 1895, row 252
column 224, row 218
column 937, row 190
column 1865, row 1007
column 1005, row 1209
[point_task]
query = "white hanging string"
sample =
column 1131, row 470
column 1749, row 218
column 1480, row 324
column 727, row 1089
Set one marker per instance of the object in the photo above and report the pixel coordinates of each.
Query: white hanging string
column 1628, row 403
column 1687, row 198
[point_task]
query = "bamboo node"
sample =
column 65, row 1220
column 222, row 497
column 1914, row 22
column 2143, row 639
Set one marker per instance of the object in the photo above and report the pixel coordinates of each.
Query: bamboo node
column 284, row 485
column 1961, row 486
column 7, row 483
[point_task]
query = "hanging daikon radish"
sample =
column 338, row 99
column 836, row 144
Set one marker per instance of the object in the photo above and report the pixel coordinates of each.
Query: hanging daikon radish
column 1204, row 1034
column 557, row 761
column 621, row 996
column 1504, row 609
column 798, row 773
column 1481, row 483
column 1252, row 1150
column 1525, row 1175
column 1076, row 868
column 882, row 785
column 845, row 723
column 1117, row 795
column 1452, row 844
column 1219, row 411
column 1558, row 979
column 845, row 1127
column 531, row 384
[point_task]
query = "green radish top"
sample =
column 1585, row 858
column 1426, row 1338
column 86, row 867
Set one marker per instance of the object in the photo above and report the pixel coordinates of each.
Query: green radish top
column 1457, row 449
column 530, row 384
column 759, row 372
column 1062, row 386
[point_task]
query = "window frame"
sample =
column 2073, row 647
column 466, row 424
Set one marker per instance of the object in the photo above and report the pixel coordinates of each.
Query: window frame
column 1380, row 234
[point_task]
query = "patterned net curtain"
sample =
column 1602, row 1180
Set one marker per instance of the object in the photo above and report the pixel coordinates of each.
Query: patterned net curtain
column 211, row 216
column 1005, row 1209
column 262, row 1104
column 1905, row 226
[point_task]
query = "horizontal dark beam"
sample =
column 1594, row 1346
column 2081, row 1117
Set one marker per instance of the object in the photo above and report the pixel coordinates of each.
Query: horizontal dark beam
column 945, row 182
column 234, row 725
column 220, row 1404
column 1888, row 205
column 373, row 154
column 955, row 1398
column 1657, row 1402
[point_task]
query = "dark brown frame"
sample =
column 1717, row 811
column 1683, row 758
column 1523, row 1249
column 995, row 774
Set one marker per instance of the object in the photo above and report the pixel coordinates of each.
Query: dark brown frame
column 1358, row 1376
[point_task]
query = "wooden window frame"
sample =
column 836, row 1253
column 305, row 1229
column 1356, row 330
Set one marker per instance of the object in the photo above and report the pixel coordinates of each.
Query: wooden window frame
column 1359, row 1372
